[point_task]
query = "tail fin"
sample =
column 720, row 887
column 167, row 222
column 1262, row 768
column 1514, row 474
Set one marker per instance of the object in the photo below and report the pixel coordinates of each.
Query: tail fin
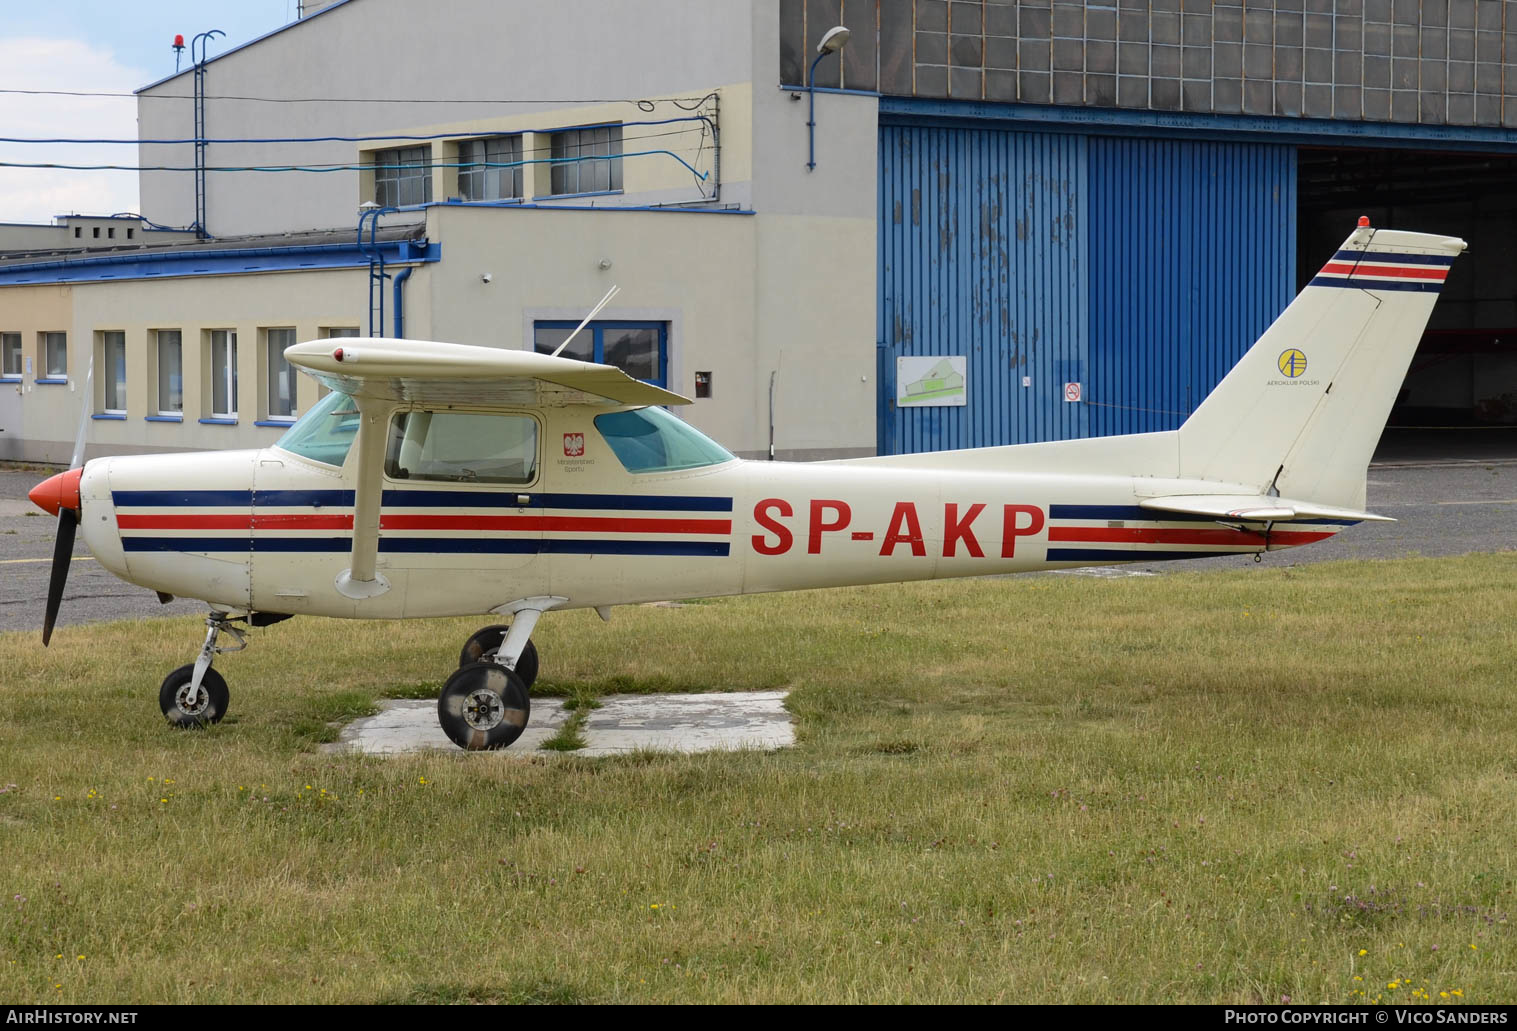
column 1303, row 409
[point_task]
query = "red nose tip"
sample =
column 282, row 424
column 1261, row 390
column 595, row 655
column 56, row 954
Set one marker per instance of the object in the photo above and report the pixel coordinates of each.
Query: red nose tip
column 55, row 492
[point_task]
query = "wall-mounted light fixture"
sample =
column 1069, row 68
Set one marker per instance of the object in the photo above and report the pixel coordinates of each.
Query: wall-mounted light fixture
column 831, row 42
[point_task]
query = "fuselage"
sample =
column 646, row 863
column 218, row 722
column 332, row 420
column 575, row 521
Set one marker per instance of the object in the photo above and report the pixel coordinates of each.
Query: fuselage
column 270, row 530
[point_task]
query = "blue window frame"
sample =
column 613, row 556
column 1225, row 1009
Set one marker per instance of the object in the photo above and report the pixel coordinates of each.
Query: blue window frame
column 640, row 349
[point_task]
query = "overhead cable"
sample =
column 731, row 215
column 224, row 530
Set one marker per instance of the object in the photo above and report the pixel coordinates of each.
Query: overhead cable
column 357, row 100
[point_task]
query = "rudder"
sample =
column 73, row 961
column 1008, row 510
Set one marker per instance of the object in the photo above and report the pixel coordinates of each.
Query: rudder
column 1303, row 409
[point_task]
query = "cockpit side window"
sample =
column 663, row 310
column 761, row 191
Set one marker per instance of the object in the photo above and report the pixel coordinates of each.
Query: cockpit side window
column 650, row 440
column 462, row 447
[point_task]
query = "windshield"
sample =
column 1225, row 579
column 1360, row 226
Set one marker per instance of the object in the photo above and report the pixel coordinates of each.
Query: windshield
column 650, row 440
column 326, row 432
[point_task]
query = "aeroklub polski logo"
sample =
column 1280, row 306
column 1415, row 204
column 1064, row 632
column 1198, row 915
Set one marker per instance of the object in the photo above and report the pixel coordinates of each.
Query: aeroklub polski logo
column 1292, row 362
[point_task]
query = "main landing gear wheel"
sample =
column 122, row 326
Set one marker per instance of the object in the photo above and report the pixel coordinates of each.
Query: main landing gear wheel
column 208, row 705
column 485, row 643
column 483, row 706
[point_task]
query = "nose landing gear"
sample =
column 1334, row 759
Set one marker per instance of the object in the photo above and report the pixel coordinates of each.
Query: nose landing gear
column 196, row 695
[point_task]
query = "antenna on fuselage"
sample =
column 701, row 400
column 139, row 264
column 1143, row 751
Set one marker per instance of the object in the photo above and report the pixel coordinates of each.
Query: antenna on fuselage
column 593, row 312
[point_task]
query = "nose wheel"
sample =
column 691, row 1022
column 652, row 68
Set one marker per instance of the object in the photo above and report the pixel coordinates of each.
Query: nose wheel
column 185, row 706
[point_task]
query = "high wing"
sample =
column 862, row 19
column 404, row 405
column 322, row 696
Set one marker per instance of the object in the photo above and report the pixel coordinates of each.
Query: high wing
column 427, row 372
column 376, row 372
column 1257, row 509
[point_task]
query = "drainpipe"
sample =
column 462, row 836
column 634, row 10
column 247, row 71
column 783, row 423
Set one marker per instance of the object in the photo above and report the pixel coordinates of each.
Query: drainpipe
column 400, row 306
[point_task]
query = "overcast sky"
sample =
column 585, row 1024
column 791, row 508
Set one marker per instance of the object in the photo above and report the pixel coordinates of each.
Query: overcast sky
column 97, row 46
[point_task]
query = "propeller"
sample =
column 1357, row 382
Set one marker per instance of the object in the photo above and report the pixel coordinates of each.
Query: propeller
column 60, row 495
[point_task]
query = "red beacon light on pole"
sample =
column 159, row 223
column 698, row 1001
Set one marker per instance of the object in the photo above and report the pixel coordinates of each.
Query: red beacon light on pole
column 178, row 49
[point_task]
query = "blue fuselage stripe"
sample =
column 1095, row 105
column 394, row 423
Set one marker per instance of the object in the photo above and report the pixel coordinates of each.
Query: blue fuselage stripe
column 1124, row 513
column 1362, row 283
column 438, row 499
column 430, row 546
column 1394, row 258
column 1104, row 555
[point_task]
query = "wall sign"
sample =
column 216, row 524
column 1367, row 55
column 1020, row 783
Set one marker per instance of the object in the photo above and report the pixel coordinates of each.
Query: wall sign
column 921, row 381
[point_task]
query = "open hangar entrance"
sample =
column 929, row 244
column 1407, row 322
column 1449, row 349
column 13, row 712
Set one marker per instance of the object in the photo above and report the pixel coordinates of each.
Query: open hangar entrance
column 1126, row 269
column 1464, row 375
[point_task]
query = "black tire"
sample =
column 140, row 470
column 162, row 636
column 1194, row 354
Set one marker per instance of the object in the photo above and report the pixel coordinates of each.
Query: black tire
column 485, row 643
column 483, row 706
column 213, row 698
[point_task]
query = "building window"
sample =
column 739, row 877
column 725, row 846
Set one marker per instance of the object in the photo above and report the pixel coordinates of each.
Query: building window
column 477, row 180
column 111, row 233
column 403, row 176
column 10, row 354
column 281, row 399
column 223, row 366
column 339, row 332
column 113, row 372
column 170, row 357
column 591, row 159
column 55, row 355
column 640, row 349
column 95, row 233
column 130, row 233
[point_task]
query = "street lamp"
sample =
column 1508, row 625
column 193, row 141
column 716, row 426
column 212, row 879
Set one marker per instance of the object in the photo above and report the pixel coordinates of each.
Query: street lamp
column 835, row 39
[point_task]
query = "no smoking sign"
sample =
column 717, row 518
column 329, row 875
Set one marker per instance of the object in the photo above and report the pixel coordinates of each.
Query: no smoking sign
column 1071, row 391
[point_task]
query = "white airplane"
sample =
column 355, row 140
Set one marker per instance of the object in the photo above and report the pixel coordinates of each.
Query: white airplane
column 446, row 480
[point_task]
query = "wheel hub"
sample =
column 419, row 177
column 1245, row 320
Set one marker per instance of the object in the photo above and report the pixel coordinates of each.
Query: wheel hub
column 189, row 706
column 483, row 709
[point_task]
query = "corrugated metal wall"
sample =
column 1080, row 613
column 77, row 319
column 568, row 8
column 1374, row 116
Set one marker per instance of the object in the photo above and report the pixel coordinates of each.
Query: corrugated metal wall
column 1193, row 254
column 1140, row 268
column 982, row 253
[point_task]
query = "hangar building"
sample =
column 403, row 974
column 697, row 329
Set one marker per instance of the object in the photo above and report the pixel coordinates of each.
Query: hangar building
column 987, row 223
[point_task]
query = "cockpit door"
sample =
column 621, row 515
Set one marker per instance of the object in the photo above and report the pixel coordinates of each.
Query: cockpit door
column 461, row 491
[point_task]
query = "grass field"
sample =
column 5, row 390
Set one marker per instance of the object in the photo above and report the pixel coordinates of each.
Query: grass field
column 1227, row 787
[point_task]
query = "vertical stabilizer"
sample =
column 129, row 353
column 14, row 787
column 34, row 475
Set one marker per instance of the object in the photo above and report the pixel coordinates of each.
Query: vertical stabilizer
column 1303, row 409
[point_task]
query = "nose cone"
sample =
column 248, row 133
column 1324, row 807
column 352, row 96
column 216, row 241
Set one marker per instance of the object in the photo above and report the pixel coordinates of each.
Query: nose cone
column 55, row 492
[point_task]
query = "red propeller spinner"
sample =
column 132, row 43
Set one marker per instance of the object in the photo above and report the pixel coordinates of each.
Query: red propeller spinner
column 55, row 492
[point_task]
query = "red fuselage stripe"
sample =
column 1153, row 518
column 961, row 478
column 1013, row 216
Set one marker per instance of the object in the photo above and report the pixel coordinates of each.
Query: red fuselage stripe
column 556, row 524
column 1147, row 535
column 1435, row 275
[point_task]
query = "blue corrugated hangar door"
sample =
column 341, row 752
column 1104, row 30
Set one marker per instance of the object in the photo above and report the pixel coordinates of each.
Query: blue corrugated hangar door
column 982, row 241
column 1139, row 269
column 1192, row 255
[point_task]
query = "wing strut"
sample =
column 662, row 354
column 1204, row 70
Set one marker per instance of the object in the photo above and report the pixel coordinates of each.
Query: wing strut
column 362, row 579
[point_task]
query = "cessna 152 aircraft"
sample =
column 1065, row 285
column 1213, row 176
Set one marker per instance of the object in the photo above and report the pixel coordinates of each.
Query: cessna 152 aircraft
column 446, row 480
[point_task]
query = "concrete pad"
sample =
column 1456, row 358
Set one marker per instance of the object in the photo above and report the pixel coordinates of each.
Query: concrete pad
column 688, row 723
column 624, row 723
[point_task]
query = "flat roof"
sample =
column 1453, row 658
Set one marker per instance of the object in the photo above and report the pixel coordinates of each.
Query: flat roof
column 243, row 46
column 282, row 253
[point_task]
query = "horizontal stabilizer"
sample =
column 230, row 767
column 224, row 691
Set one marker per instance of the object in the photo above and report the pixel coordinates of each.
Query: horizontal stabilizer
column 1259, row 508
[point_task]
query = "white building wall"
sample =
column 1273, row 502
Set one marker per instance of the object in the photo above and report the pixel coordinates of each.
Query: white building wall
column 47, row 415
column 526, row 58
column 783, row 294
column 744, row 296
